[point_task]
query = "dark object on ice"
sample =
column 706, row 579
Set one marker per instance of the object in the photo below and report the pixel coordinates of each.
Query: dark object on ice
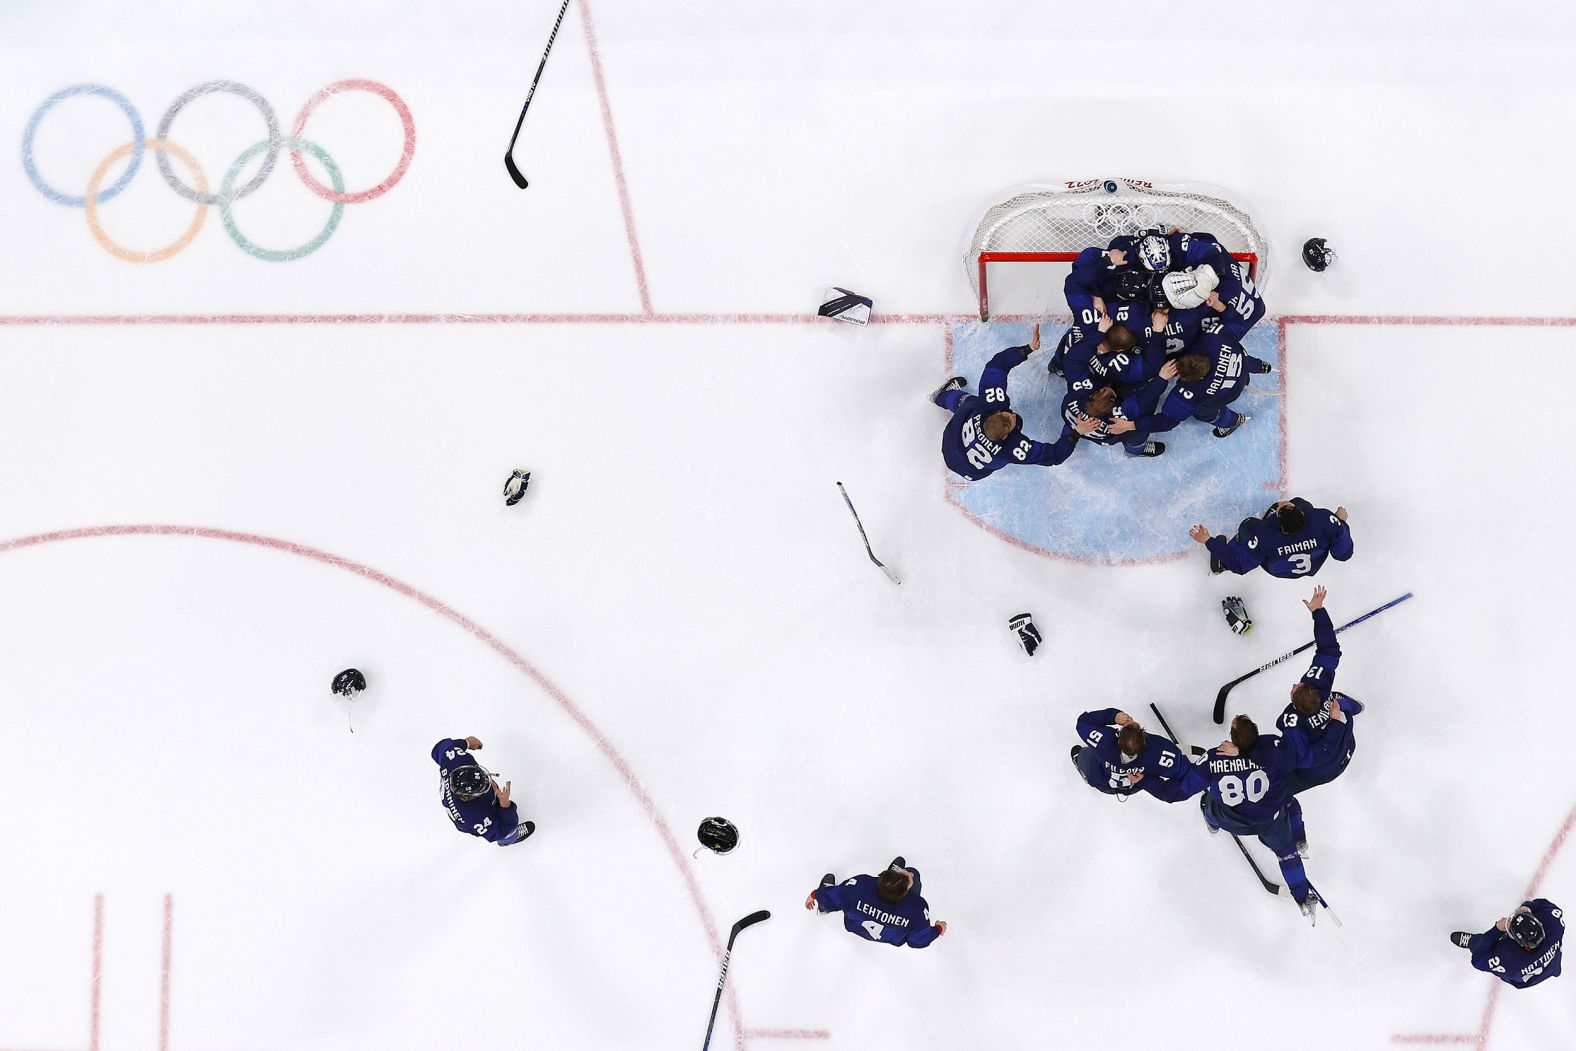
column 515, row 487
column 1317, row 253
column 1029, row 636
column 844, row 305
column 718, row 834
column 1236, row 615
column 348, row 682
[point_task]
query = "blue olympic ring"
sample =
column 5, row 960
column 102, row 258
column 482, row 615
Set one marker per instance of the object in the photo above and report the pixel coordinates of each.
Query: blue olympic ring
column 50, row 103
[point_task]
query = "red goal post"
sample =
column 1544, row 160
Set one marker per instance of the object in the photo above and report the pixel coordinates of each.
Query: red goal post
column 1053, row 222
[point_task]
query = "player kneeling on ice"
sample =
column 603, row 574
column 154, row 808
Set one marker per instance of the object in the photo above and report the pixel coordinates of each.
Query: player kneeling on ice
column 1209, row 378
column 1325, row 717
column 1130, row 759
column 1302, row 537
column 1250, row 795
column 885, row 908
column 1522, row 949
column 984, row 434
column 473, row 799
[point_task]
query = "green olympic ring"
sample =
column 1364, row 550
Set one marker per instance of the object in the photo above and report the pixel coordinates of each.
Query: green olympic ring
column 227, row 200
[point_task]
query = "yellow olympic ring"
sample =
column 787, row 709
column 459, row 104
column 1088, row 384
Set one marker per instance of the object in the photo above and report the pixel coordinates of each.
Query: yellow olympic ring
column 90, row 204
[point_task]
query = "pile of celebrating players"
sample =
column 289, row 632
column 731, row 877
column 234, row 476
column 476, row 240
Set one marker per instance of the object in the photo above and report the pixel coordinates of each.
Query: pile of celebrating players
column 1156, row 339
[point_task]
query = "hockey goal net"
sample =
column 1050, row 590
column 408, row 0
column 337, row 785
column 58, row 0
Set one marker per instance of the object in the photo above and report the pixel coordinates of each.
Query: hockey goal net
column 1052, row 223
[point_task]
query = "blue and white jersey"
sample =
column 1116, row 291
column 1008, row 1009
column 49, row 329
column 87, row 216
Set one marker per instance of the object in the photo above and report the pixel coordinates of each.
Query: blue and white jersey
column 481, row 816
column 905, row 922
column 1494, row 951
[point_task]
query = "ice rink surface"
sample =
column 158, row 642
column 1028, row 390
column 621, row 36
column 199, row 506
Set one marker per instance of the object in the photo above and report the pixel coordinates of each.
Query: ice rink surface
column 227, row 478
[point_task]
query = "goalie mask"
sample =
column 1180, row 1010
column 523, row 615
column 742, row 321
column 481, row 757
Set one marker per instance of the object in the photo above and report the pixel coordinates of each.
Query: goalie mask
column 468, row 782
column 1154, row 252
column 1189, row 288
column 1526, row 930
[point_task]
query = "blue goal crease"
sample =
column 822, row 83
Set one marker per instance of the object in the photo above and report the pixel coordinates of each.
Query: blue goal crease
column 1101, row 505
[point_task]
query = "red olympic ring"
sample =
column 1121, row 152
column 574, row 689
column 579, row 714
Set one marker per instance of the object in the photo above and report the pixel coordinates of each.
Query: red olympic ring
column 405, row 154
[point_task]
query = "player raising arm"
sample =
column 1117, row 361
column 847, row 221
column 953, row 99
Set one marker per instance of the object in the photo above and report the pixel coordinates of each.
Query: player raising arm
column 984, row 434
column 1325, row 717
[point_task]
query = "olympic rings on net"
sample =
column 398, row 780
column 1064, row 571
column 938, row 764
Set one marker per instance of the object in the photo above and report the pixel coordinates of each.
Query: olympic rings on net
column 90, row 202
column 228, row 192
column 283, row 255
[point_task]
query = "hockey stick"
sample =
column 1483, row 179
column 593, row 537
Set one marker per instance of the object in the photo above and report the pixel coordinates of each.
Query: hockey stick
column 508, row 157
column 893, row 577
column 1220, row 698
column 750, row 920
column 1264, row 881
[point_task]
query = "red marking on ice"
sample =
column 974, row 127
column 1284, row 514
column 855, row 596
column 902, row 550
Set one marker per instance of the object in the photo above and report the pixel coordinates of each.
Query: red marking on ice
column 1423, row 319
column 164, row 976
column 497, row 645
column 618, row 159
column 1479, row 1039
column 1280, row 366
column 787, row 1034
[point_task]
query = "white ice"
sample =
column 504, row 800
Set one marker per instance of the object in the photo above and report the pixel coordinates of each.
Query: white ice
column 682, row 596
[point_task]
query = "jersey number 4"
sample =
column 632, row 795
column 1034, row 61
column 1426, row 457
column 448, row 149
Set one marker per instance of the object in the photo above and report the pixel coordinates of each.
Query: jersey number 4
column 872, row 930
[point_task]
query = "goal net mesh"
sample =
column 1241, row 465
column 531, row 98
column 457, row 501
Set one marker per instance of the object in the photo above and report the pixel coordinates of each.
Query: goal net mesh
column 1052, row 223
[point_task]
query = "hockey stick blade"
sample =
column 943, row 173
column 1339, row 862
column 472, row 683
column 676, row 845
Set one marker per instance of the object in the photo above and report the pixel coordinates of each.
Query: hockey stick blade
column 893, row 577
column 1220, row 698
column 749, row 921
column 514, row 173
column 1267, row 884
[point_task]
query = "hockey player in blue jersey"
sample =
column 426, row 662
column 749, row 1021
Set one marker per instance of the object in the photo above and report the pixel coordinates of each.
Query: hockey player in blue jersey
column 472, row 798
column 1110, row 353
column 1295, row 544
column 984, row 434
column 885, row 908
column 1117, row 416
column 1093, row 280
column 1250, row 795
column 1122, row 760
column 1324, row 716
column 1522, row 949
column 1209, row 378
column 1237, row 303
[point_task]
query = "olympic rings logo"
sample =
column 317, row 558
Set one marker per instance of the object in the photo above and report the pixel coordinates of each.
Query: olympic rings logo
column 198, row 193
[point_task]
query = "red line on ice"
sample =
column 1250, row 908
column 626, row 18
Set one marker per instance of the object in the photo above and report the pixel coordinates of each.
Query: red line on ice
column 787, row 1034
column 497, row 645
column 618, row 159
column 98, row 972
column 164, row 976
column 1480, row 1038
